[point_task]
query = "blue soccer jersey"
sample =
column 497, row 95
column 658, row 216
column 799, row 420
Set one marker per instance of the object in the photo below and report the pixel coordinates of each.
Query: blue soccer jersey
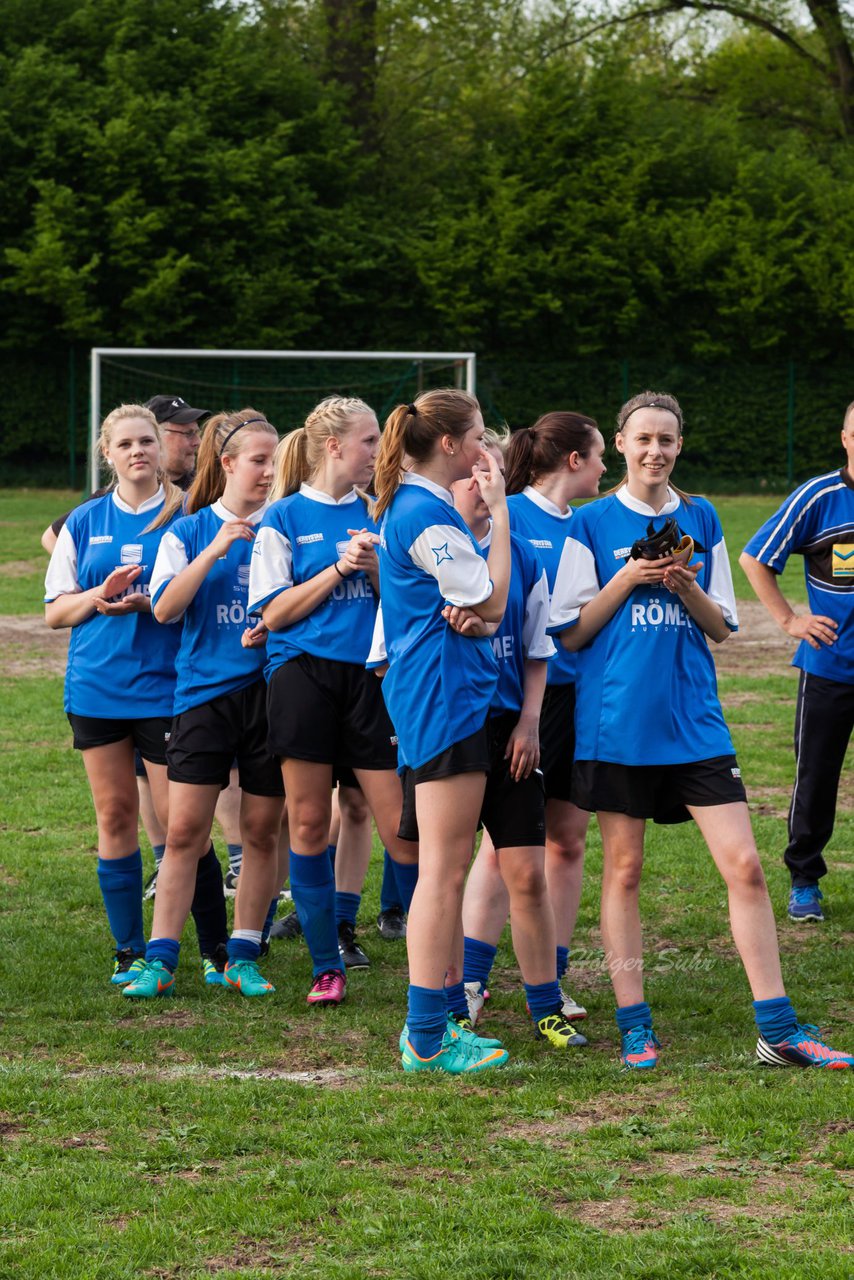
column 119, row 667
column 211, row 660
column 817, row 522
column 536, row 518
column 522, row 634
column 299, row 537
column 439, row 685
column 646, row 689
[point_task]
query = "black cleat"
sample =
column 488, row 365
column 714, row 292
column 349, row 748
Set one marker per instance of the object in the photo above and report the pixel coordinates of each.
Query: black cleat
column 288, row 927
column 349, row 949
column 392, row 924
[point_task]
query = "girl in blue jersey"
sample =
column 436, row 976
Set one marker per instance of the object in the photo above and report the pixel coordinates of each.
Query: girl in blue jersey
column 556, row 461
column 121, row 666
column 440, row 683
column 647, row 691
column 201, row 576
column 314, row 581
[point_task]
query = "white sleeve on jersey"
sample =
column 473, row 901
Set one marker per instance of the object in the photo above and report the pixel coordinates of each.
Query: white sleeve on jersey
column 536, row 642
column 445, row 552
column 721, row 589
column 378, row 655
column 61, row 576
column 270, row 569
column 171, row 560
column 576, row 584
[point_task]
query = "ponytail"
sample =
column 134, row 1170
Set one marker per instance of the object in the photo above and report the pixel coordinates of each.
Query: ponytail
column 539, row 450
column 389, row 464
column 413, row 430
column 291, row 463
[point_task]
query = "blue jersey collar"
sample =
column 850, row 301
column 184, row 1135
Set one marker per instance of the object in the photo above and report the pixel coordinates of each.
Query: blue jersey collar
column 430, row 485
column 224, row 514
column 317, row 495
column 544, row 503
column 150, row 503
column 643, row 508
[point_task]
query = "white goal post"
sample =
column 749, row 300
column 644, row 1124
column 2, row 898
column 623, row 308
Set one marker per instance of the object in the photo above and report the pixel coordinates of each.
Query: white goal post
column 464, row 364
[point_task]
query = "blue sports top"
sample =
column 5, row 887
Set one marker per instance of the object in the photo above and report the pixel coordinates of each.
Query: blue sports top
column 817, row 522
column 439, row 685
column 299, row 537
column 211, row 660
column 546, row 527
column 522, row 633
column 119, row 667
column 646, row 690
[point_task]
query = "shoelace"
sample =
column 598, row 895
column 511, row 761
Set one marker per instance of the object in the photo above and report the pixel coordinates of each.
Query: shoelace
column 324, row 981
column 637, row 1039
column 804, row 894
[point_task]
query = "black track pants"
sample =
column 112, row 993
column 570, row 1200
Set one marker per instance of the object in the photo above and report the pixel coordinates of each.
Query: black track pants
column 824, row 721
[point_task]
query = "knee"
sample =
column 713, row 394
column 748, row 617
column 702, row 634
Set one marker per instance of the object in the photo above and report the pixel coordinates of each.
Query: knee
column 309, row 827
column 743, row 870
column 624, row 872
column 565, row 849
column 527, row 884
column 260, row 837
column 353, row 806
column 117, row 816
column 186, row 839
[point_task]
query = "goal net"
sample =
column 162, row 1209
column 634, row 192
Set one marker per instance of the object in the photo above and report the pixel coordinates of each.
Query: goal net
column 284, row 385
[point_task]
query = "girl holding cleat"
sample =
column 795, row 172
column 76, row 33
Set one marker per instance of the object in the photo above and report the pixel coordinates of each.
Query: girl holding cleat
column 647, row 691
column 121, row 665
column 440, row 683
column 314, row 581
column 549, row 465
column 201, row 578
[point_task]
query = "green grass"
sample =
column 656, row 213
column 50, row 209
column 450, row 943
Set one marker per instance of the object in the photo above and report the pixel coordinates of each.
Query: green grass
column 207, row 1136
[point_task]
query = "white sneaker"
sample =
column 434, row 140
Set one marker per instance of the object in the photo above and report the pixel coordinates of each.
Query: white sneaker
column 571, row 1009
column 474, row 1000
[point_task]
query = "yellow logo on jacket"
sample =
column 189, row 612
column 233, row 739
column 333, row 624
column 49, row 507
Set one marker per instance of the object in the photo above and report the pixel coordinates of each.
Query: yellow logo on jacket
column 842, row 560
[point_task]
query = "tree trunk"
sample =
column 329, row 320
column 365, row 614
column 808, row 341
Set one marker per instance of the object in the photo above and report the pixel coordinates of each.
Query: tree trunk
column 351, row 53
column 828, row 22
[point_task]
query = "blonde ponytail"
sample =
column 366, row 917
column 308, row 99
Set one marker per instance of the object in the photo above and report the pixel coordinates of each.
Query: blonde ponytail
column 291, row 464
column 389, row 464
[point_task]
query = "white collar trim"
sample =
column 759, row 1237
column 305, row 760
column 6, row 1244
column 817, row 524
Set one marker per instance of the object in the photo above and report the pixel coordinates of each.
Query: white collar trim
column 410, row 477
column 546, row 504
column 643, row 508
column 150, row 503
column 224, row 514
column 317, row 495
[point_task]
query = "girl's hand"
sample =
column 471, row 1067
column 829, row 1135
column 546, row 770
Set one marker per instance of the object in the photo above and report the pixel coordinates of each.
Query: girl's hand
column 254, row 637
column 117, row 582
column 643, row 573
column 361, row 553
column 467, row 622
column 229, row 533
column 815, row 628
column 523, row 749
column 490, row 482
column 136, row 602
column 680, row 578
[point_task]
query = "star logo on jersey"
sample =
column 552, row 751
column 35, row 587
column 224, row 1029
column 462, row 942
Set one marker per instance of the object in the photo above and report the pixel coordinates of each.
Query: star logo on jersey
column 441, row 553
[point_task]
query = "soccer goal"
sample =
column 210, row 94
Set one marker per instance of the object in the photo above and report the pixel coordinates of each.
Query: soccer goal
column 284, row 385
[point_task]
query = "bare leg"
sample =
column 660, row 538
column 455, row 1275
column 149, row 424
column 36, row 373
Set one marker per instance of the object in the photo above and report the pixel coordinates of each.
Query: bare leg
column 260, row 821
column 486, row 902
column 384, row 794
column 622, row 845
column 354, row 841
column 566, row 832
column 531, row 916
column 228, row 809
column 112, row 780
column 153, row 829
column 188, row 839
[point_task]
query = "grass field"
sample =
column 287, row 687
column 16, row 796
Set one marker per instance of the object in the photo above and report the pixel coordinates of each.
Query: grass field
column 206, row 1136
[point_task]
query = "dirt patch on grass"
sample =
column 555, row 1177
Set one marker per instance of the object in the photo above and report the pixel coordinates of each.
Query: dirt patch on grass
column 21, row 568
column 30, row 648
column 758, row 648
column 10, row 1128
column 610, row 1109
column 95, row 1141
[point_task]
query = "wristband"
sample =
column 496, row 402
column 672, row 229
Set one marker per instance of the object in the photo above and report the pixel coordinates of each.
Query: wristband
column 338, row 571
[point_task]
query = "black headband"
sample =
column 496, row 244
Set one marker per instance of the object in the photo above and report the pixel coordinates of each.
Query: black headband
column 655, row 404
column 247, row 423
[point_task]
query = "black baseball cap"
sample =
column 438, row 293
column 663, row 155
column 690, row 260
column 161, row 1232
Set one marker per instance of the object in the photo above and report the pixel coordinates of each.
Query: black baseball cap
column 174, row 409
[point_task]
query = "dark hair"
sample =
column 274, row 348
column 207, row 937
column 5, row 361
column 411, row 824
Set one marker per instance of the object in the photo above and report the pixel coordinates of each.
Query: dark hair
column 650, row 400
column 536, row 451
column 412, row 430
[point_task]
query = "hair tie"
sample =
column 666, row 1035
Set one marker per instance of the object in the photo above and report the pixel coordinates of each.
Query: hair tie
column 411, row 408
column 531, row 432
column 247, row 423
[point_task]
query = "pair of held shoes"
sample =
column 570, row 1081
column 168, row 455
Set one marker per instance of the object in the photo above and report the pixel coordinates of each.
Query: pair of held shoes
column 800, row 1048
column 147, row 979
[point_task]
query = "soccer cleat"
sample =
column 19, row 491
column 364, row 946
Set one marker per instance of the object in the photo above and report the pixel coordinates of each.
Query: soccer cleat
column 559, row 1031
column 150, row 886
column 392, row 924
column 230, row 884
column 463, row 1027
column 213, row 966
column 154, row 980
column 639, row 1049
column 802, row 1048
column 126, row 965
column 457, row 1056
column 571, row 1009
column 285, row 895
column 288, row 927
column 475, row 1000
column 245, row 976
column 348, row 948
column 328, row 988
column 805, row 902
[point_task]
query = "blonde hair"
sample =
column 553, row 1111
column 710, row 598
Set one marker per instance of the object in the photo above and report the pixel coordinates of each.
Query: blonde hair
column 412, row 430
column 173, row 496
column 300, row 454
column 496, row 438
column 223, row 438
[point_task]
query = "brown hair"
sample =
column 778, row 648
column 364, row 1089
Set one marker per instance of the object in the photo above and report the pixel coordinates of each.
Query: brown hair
column 300, row 453
column 650, row 400
column 223, row 438
column 412, row 430
column 538, row 450
column 172, row 494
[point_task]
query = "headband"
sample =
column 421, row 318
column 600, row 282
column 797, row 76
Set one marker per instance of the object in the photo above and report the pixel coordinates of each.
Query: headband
column 655, row 404
column 247, row 423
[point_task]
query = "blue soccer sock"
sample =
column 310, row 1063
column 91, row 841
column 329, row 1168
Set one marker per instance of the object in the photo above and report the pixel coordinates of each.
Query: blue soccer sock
column 158, row 850
column 244, row 944
column 313, row 888
column 271, row 915
column 543, row 998
column 478, row 959
column 455, row 995
column 389, row 898
column 775, row 1018
column 165, row 950
column 208, row 905
column 562, row 961
column 634, row 1015
column 121, row 888
column 235, row 858
column 347, row 907
column 426, row 1019
column 406, row 876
